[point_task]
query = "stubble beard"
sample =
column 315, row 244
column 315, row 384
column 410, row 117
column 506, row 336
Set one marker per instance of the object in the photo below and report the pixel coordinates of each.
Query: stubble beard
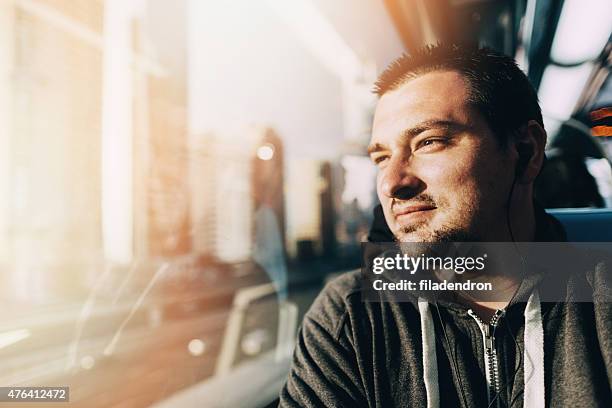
column 447, row 233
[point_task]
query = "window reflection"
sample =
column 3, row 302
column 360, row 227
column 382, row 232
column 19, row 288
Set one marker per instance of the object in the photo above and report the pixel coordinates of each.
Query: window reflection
column 172, row 199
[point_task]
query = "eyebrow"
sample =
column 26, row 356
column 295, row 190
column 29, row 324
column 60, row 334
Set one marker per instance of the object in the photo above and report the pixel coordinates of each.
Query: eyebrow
column 418, row 129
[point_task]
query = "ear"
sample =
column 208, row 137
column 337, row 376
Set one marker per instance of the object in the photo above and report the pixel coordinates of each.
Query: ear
column 530, row 144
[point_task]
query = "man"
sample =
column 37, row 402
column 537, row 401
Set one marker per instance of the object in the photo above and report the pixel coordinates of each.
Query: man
column 458, row 139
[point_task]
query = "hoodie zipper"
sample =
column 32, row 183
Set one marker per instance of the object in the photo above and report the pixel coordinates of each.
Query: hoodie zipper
column 490, row 352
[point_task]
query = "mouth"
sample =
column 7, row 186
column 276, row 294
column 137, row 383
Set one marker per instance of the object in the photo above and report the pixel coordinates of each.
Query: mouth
column 412, row 212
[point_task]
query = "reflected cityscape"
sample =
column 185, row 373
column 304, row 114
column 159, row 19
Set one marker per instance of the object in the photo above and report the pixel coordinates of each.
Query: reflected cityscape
column 179, row 179
column 126, row 231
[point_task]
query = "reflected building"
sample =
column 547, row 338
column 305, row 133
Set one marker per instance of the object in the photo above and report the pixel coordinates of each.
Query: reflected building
column 51, row 76
column 222, row 204
column 329, row 206
column 92, row 141
column 161, row 156
column 145, row 190
column 303, row 208
column 311, row 209
column 162, row 229
column 231, row 175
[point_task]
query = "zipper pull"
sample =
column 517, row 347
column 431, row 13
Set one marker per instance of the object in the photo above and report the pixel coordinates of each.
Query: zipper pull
column 489, row 342
column 489, row 337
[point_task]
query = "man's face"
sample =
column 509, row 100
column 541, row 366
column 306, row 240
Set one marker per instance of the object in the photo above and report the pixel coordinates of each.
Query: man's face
column 442, row 174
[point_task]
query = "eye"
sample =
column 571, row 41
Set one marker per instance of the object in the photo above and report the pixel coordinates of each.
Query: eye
column 432, row 143
column 380, row 159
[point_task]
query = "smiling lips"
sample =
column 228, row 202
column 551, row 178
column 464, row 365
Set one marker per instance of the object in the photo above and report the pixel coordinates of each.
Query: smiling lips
column 404, row 212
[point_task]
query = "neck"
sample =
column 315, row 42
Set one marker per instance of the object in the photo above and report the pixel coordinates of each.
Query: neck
column 523, row 226
column 504, row 289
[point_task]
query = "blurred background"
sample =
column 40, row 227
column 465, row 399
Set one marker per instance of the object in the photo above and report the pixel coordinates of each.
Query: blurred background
column 179, row 178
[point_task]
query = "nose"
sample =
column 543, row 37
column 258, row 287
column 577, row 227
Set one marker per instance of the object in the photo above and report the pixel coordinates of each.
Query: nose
column 397, row 180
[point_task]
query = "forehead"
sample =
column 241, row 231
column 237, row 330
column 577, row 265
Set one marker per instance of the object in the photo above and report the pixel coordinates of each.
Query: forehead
column 438, row 95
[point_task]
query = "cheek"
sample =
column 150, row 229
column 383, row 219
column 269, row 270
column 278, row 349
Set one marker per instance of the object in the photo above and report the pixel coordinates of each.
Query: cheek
column 481, row 180
column 446, row 179
column 455, row 182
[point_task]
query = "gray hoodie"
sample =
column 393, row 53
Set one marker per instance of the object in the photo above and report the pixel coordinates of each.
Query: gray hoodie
column 352, row 353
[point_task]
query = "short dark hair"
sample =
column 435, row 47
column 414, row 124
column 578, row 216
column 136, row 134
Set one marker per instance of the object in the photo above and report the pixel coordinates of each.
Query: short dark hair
column 498, row 87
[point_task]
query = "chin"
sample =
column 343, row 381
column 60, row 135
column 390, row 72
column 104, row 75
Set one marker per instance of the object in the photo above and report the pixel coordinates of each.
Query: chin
column 414, row 235
column 444, row 234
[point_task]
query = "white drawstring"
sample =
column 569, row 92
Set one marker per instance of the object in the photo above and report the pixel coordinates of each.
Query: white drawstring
column 534, row 354
column 430, row 360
